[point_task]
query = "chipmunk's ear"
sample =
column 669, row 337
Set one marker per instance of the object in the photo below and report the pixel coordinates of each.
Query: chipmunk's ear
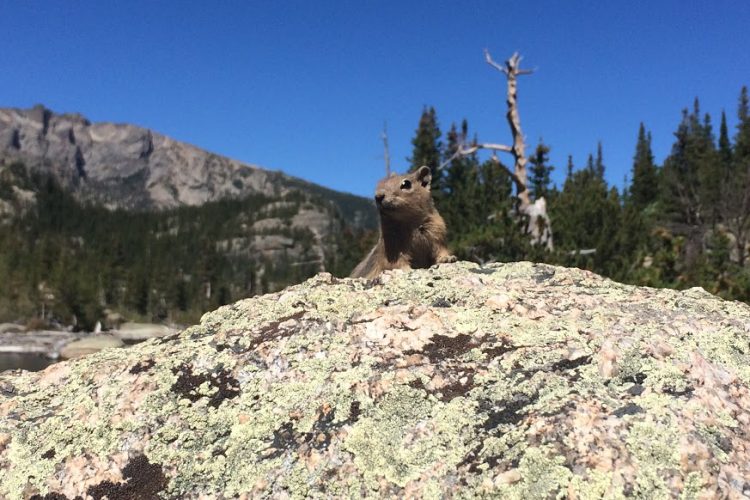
column 424, row 175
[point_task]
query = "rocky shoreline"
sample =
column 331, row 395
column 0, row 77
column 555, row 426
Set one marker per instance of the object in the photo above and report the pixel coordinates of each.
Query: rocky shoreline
column 57, row 344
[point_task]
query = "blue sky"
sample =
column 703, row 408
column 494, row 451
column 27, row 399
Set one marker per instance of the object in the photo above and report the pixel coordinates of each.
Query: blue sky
column 305, row 87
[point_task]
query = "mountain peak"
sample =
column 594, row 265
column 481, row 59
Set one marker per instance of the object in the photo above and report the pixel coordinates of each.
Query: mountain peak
column 126, row 166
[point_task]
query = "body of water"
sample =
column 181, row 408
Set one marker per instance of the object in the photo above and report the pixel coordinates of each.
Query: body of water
column 35, row 362
column 25, row 361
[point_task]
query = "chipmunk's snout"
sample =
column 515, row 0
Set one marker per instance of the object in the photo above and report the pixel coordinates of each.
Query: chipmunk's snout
column 379, row 197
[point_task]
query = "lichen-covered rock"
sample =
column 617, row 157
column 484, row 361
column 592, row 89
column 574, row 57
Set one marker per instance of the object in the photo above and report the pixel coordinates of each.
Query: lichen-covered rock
column 515, row 380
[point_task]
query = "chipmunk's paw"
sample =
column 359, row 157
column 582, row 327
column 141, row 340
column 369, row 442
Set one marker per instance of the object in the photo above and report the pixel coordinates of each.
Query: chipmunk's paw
column 446, row 259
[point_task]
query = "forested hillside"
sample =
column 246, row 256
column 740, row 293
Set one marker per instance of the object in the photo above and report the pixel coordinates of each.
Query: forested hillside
column 680, row 224
column 103, row 220
column 64, row 261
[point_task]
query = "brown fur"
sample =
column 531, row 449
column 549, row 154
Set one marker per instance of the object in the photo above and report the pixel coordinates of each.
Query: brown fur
column 412, row 233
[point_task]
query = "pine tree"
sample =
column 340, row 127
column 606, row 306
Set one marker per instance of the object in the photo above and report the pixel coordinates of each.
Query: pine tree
column 540, row 171
column 586, row 202
column 741, row 150
column 456, row 169
column 493, row 232
column 692, row 172
column 645, row 186
column 459, row 202
column 427, row 147
column 725, row 148
column 710, row 171
column 741, row 160
column 599, row 165
column 735, row 196
column 724, row 144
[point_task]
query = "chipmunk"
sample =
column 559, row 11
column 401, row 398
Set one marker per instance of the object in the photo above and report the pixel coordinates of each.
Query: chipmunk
column 412, row 232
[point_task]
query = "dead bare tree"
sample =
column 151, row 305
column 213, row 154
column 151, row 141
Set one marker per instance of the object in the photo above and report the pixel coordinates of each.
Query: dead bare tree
column 538, row 222
column 512, row 71
column 386, row 151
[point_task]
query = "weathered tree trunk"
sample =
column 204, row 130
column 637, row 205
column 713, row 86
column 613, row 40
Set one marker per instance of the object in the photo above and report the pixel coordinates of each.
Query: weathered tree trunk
column 538, row 225
column 518, row 150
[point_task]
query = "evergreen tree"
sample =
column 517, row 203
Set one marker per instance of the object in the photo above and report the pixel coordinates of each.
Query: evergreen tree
column 599, row 165
column 735, row 196
column 460, row 204
column 692, row 172
column 725, row 147
column 744, row 107
column 476, row 205
column 590, row 164
column 585, row 201
column 494, row 233
column 741, row 152
column 711, row 172
column 427, row 147
column 540, row 171
column 645, row 186
column 457, row 168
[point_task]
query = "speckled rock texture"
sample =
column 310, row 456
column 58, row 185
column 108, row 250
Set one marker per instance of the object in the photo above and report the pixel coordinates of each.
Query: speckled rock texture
column 513, row 381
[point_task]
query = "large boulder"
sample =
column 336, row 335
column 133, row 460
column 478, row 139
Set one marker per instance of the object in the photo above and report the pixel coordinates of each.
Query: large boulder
column 137, row 332
column 89, row 345
column 515, row 380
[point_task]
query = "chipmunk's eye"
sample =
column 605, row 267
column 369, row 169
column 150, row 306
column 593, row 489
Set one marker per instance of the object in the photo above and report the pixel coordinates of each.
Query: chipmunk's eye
column 406, row 184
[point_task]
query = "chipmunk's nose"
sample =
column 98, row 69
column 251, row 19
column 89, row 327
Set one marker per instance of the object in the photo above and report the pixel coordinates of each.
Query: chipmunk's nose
column 379, row 198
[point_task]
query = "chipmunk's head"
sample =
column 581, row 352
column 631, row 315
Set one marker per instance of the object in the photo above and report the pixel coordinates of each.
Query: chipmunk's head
column 405, row 197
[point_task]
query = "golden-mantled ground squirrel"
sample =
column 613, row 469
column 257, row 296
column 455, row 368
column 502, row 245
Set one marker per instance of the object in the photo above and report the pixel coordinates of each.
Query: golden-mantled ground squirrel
column 412, row 232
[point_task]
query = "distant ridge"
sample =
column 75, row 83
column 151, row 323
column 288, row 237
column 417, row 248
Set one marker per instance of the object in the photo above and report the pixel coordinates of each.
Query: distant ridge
column 134, row 168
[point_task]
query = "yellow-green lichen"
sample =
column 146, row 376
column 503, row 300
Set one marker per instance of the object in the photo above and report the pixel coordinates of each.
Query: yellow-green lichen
column 654, row 445
column 510, row 445
column 543, row 475
column 693, row 487
column 68, row 421
column 595, row 485
column 406, row 435
column 727, row 347
column 666, row 376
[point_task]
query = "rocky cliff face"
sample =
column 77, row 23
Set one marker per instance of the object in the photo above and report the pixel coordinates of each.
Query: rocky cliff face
column 517, row 380
column 124, row 166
